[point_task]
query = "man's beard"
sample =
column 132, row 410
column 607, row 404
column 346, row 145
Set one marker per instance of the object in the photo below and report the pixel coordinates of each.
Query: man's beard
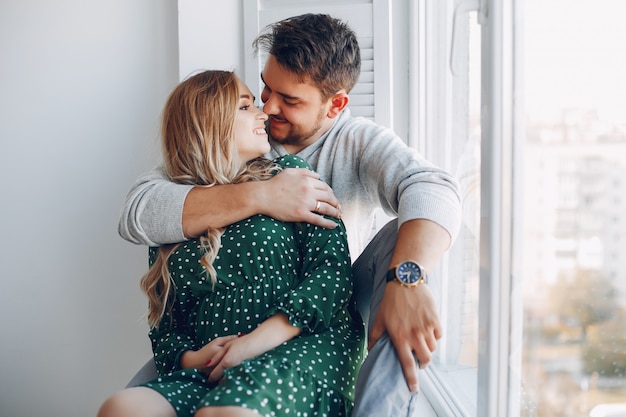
column 299, row 138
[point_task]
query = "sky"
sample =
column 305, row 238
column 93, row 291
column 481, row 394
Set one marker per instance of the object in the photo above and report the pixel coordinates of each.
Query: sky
column 575, row 56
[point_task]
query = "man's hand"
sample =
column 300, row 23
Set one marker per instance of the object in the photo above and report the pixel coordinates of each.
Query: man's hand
column 293, row 195
column 297, row 195
column 409, row 316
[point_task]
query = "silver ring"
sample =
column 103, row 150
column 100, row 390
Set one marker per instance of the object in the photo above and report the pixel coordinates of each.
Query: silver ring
column 317, row 206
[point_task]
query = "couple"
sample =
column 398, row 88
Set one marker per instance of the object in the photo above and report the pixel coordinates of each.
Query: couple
column 312, row 65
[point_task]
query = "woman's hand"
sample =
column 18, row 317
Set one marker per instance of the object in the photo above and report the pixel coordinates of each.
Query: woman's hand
column 269, row 334
column 203, row 358
column 232, row 354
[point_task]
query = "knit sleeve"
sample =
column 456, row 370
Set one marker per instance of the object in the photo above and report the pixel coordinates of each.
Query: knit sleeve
column 403, row 182
column 153, row 210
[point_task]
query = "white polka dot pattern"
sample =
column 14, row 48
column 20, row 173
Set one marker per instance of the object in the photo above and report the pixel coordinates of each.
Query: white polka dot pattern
column 265, row 266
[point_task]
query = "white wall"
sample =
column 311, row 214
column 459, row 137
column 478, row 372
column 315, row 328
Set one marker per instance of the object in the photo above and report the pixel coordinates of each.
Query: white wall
column 81, row 89
column 210, row 35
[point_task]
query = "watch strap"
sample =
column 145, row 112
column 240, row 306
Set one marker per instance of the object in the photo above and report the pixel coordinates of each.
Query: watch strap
column 391, row 274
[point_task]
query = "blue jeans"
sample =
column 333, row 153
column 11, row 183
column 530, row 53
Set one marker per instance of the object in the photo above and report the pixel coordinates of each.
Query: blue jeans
column 381, row 389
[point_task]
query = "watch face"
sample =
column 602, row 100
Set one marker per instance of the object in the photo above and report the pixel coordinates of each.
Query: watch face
column 409, row 273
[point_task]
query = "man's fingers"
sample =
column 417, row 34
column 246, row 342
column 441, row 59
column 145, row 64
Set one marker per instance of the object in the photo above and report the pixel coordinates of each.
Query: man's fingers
column 325, row 202
column 423, row 357
column 327, row 209
column 423, row 348
column 318, row 220
column 298, row 195
column 431, row 342
column 409, row 367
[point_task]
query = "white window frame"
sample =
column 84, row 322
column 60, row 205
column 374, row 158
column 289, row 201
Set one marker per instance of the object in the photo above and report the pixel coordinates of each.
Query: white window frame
column 498, row 374
column 501, row 256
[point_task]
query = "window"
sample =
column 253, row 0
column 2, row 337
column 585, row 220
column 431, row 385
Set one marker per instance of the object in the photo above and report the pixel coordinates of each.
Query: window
column 525, row 102
column 472, row 112
column 531, row 293
column 574, row 340
column 448, row 45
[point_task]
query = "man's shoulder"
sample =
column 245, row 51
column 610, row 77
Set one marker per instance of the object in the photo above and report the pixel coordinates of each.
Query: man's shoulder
column 358, row 125
column 359, row 131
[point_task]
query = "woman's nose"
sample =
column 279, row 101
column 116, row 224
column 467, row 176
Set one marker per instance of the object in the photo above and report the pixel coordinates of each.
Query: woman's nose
column 261, row 114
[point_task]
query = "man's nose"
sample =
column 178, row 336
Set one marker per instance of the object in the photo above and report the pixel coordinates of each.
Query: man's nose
column 269, row 104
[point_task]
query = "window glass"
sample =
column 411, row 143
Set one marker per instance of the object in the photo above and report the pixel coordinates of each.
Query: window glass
column 455, row 363
column 462, row 343
column 574, row 352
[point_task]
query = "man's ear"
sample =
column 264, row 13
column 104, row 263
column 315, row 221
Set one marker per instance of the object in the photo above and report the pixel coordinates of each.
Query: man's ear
column 338, row 102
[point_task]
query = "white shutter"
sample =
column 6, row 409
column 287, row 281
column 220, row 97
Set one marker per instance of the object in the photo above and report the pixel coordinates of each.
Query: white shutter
column 371, row 97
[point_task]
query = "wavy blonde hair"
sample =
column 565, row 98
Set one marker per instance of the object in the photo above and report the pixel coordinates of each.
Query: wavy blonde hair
column 199, row 148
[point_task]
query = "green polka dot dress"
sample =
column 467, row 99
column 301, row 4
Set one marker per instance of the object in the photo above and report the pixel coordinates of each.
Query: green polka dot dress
column 265, row 266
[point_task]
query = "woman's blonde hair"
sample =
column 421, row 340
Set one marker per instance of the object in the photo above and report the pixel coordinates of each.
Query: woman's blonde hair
column 199, row 148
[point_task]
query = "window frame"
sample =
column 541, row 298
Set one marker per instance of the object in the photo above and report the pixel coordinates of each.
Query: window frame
column 498, row 374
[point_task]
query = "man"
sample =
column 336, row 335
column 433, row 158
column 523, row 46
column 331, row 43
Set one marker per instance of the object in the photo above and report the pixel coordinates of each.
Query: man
column 313, row 63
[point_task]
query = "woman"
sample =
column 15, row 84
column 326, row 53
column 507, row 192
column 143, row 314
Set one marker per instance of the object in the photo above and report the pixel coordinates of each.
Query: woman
column 253, row 319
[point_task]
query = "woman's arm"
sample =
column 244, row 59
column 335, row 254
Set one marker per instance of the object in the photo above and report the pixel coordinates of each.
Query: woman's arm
column 170, row 341
column 271, row 333
column 326, row 280
column 175, row 333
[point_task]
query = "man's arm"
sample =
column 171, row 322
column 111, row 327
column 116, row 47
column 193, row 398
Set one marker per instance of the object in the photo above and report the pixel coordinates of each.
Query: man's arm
column 409, row 315
column 152, row 212
column 291, row 196
column 158, row 211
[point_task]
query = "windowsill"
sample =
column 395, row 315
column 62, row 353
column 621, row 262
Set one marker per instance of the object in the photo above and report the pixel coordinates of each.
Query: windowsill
column 423, row 407
column 451, row 392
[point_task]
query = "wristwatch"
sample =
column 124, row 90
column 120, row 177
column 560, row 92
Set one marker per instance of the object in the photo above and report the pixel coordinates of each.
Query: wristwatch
column 407, row 273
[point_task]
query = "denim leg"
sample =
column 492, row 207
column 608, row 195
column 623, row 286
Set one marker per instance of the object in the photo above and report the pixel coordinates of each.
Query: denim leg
column 370, row 268
column 381, row 389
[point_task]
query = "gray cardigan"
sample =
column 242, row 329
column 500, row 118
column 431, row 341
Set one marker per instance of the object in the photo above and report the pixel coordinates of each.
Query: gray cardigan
column 367, row 165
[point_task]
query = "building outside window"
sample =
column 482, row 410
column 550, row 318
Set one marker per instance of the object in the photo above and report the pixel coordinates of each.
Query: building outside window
column 559, row 346
column 574, row 350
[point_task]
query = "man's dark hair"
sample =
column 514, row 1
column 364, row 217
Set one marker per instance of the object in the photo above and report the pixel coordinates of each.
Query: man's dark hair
column 316, row 48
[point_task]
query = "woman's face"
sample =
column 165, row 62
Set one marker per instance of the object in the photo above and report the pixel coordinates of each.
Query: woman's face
column 250, row 135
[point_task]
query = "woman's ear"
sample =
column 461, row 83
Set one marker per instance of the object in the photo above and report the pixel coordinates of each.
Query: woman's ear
column 338, row 102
